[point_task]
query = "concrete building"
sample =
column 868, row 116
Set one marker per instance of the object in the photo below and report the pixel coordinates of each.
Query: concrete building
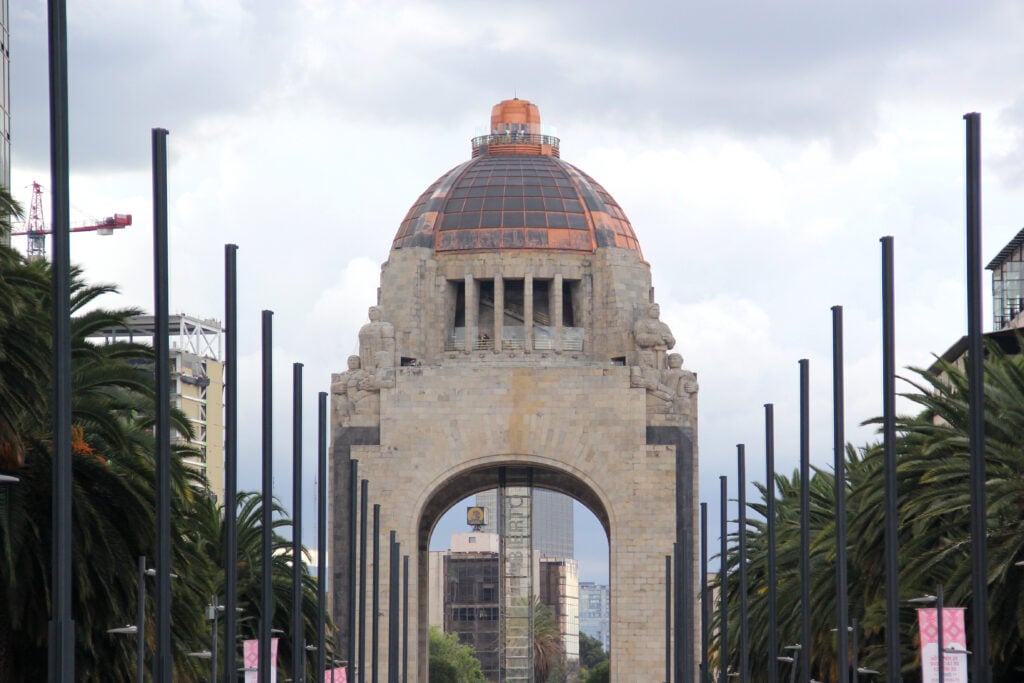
column 515, row 343
column 560, row 591
column 197, row 381
column 552, row 521
column 465, row 595
column 595, row 612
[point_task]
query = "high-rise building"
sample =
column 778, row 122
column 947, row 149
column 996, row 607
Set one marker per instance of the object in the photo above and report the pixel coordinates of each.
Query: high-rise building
column 552, row 521
column 197, row 384
column 559, row 590
column 595, row 612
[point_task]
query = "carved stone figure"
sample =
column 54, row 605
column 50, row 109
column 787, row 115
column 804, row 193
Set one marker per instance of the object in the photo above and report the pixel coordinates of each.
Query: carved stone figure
column 341, row 406
column 364, row 388
column 652, row 335
column 374, row 337
column 680, row 384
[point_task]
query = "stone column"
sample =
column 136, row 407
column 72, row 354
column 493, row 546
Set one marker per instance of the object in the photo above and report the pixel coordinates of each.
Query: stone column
column 555, row 304
column 471, row 314
column 528, row 312
column 499, row 311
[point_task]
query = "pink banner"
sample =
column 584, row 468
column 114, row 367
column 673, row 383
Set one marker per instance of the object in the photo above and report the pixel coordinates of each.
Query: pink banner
column 251, row 660
column 954, row 637
column 339, row 675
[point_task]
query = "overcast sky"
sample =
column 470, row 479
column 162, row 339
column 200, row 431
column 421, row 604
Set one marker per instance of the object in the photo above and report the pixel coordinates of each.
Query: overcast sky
column 759, row 149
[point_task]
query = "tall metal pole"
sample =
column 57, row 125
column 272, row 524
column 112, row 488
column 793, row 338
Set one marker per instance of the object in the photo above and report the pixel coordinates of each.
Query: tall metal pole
column 353, row 517
column 805, row 523
column 668, row 615
column 405, row 619
column 839, row 451
column 161, row 341
column 856, row 654
column 892, row 567
column 321, row 537
column 231, row 463
column 375, row 617
column 214, row 610
column 705, row 597
column 364, row 510
column 769, row 452
column 394, row 579
column 61, row 627
column 723, row 586
column 741, row 467
column 140, row 624
column 298, row 631
column 939, row 606
column 982, row 672
column 267, row 598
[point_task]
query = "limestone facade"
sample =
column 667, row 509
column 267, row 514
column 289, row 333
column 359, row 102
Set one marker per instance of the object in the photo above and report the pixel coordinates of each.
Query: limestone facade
column 534, row 360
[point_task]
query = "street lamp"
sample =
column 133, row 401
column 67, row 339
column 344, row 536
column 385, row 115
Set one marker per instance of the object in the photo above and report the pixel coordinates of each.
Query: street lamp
column 793, row 659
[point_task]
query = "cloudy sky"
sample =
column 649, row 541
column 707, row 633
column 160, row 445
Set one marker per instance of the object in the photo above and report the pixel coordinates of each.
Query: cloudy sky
column 759, row 149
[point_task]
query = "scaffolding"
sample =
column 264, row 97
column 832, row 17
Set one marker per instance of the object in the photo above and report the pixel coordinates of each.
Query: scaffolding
column 516, row 522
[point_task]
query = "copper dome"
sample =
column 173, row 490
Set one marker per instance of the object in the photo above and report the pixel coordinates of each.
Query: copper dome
column 515, row 193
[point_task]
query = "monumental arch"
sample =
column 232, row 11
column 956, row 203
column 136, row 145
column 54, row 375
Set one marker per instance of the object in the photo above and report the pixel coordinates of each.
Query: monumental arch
column 516, row 336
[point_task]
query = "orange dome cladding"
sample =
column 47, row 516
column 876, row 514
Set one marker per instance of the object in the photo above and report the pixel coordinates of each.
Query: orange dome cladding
column 515, row 194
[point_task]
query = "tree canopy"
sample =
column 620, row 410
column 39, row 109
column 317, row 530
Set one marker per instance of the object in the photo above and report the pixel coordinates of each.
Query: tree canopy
column 934, row 530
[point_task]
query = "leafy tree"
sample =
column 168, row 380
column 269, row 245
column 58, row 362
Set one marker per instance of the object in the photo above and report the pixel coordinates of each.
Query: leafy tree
column 451, row 661
column 599, row 674
column 591, row 651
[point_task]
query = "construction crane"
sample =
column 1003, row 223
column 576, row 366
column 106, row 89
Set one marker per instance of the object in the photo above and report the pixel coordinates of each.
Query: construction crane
column 37, row 230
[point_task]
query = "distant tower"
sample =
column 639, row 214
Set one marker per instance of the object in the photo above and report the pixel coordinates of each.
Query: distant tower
column 5, row 105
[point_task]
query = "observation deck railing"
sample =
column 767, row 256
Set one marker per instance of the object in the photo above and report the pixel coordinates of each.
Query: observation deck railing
column 482, row 143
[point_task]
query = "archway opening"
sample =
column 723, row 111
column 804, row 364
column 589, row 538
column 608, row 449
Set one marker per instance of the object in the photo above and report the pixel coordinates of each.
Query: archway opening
column 464, row 578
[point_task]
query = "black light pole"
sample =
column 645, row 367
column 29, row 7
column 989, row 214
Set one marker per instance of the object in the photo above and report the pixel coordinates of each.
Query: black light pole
column 705, row 597
column 321, row 537
column 405, row 619
column 375, row 599
column 364, row 509
column 353, row 576
column 140, row 624
column 892, row 595
column 394, row 579
column 164, row 653
column 938, row 622
column 61, row 644
column 668, row 615
column 231, row 463
column 267, row 601
column 976, row 402
column 805, row 522
column 741, row 468
column 839, row 450
column 769, row 451
column 723, row 586
column 298, row 641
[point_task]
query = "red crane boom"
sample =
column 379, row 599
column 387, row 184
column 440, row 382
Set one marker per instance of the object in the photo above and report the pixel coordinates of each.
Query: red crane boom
column 37, row 230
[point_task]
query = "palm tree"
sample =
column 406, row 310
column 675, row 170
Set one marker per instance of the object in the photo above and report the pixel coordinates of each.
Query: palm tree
column 548, row 648
column 9, row 207
column 112, row 413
